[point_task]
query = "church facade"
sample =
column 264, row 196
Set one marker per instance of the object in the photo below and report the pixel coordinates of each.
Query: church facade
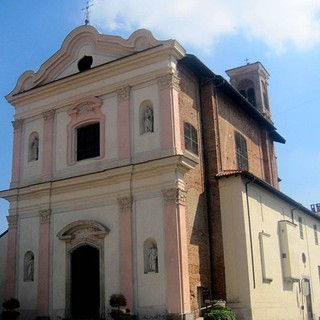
column 137, row 170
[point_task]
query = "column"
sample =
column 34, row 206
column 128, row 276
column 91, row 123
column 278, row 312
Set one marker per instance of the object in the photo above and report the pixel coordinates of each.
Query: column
column 44, row 259
column 169, row 112
column 126, row 258
column 124, row 122
column 176, row 254
column 48, row 142
column 17, row 143
column 11, row 256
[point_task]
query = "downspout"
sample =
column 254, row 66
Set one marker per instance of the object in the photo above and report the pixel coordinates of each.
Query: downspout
column 250, row 233
column 206, row 169
column 295, row 208
column 203, row 128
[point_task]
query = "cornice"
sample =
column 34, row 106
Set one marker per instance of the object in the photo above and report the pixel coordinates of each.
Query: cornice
column 110, row 177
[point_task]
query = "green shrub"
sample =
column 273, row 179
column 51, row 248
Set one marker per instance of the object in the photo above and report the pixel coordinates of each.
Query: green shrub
column 219, row 312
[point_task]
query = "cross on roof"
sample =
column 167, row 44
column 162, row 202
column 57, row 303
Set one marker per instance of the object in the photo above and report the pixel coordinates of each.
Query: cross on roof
column 87, row 12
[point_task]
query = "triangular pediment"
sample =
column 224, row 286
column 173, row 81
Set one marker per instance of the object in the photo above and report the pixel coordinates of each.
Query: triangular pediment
column 81, row 43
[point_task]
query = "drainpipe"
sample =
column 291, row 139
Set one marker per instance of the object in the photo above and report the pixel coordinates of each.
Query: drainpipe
column 250, row 233
column 295, row 208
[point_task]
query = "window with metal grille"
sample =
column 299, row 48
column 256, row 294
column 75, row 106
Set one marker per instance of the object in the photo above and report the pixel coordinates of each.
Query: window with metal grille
column 315, row 231
column 241, row 151
column 88, row 141
column 300, row 227
column 190, row 138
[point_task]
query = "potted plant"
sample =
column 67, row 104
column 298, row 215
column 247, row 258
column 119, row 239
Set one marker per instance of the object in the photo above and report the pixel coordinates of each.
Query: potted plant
column 219, row 312
column 116, row 301
column 10, row 312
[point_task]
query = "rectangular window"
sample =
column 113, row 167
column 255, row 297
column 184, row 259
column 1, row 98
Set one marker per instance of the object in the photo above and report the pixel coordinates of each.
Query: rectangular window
column 300, row 227
column 315, row 231
column 241, row 151
column 88, row 141
column 190, row 138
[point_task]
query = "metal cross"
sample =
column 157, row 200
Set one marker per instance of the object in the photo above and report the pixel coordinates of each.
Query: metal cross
column 86, row 21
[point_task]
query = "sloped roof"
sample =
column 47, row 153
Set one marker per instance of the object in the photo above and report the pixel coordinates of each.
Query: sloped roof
column 251, row 177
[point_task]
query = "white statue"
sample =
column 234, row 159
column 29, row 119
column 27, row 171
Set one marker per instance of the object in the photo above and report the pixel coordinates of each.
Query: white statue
column 148, row 119
column 30, row 269
column 34, row 149
column 153, row 257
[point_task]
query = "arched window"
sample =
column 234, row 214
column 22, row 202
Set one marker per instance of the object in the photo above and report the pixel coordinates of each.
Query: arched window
column 28, row 272
column 190, row 138
column 146, row 117
column 265, row 97
column 241, row 151
column 33, row 152
column 246, row 88
column 150, row 252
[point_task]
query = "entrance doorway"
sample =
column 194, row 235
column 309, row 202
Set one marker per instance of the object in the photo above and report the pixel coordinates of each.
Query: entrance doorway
column 85, row 283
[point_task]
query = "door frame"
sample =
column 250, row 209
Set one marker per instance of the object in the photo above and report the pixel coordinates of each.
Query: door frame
column 75, row 235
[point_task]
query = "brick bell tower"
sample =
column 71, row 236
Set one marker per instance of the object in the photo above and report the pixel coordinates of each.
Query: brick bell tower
column 251, row 80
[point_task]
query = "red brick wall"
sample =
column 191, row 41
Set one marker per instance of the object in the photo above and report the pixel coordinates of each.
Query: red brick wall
column 197, row 225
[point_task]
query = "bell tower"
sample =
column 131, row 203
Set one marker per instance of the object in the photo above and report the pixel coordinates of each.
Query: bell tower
column 251, row 80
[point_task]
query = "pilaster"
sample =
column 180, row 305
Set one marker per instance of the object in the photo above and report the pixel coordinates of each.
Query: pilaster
column 178, row 291
column 126, row 254
column 169, row 112
column 17, row 144
column 44, row 260
column 124, row 122
column 11, row 256
column 48, row 142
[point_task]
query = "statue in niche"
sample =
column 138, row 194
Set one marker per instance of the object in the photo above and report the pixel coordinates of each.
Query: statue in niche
column 34, row 149
column 148, row 119
column 153, row 259
column 29, row 268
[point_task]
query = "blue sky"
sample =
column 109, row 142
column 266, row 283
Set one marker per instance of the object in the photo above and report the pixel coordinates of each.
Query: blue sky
column 284, row 35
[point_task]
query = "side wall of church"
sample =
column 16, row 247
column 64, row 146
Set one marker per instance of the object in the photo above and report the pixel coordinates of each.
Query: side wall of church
column 275, row 250
column 232, row 120
column 196, row 213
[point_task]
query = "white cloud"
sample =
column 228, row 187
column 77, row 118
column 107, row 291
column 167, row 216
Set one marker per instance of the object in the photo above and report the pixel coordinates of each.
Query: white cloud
column 201, row 23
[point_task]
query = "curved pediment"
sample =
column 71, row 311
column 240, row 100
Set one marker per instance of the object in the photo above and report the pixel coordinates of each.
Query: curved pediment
column 82, row 230
column 84, row 48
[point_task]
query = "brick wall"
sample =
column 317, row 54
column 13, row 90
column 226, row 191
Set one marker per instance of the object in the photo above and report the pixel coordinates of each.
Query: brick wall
column 197, row 225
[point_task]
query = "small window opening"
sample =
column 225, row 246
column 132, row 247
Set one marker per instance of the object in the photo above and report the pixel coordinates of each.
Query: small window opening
column 241, row 151
column 85, row 63
column 88, row 141
column 315, row 231
column 190, row 138
column 300, row 227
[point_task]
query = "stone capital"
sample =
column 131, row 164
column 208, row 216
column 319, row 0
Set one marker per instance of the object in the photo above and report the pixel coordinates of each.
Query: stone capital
column 17, row 124
column 169, row 80
column 123, row 94
column 174, row 196
column 48, row 115
column 12, row 221
column 45, row 216
column 125, row 204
